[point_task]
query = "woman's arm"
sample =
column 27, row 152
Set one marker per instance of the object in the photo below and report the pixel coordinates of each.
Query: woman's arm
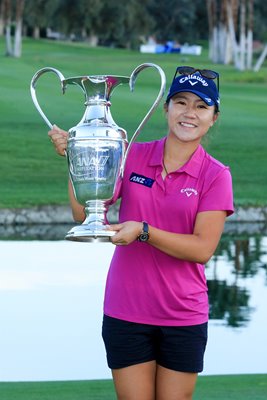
column 197, row 247
column 59, row 138
column 77, row 209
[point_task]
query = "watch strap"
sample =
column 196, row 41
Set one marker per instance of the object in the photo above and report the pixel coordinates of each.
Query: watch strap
column 144, row 235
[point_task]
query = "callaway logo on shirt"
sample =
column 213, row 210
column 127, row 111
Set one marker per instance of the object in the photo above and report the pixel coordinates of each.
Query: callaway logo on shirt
column 189, row 191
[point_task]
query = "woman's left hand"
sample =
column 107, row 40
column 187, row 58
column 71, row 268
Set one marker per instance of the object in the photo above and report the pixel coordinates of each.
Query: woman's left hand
column 126, row 233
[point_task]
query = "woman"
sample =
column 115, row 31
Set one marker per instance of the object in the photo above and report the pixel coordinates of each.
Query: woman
column 171, row 220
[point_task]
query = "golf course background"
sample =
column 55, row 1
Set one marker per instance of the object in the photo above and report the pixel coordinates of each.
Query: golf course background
column 32, row 174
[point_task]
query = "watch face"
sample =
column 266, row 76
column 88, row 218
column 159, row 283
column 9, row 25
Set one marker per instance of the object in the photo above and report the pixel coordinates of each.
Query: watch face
column 143, row 237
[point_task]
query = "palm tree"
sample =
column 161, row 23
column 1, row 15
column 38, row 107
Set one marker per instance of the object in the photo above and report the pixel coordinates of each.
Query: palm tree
column 228, row 21
column 13, row 48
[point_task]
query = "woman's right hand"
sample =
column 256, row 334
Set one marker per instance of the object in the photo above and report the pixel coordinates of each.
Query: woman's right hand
column 59, row 138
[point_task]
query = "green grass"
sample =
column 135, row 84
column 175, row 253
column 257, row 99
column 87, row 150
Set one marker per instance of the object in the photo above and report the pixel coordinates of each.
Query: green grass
column 32, row 174
column 230, row 387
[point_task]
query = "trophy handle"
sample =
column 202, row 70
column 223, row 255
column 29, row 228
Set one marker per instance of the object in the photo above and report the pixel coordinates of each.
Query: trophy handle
column 132, row 81
column 33, row 92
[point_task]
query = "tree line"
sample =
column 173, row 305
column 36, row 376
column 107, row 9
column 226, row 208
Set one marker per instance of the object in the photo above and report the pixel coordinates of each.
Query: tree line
column 230, row 26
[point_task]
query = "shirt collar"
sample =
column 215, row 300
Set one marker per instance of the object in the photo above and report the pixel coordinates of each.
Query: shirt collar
column 191, row 167
column 158, row 151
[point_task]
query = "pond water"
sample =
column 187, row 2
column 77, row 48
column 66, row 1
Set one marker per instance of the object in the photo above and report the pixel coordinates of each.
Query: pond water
column 51, row 294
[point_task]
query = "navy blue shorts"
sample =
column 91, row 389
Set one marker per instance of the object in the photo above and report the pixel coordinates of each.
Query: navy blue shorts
column 180, row 348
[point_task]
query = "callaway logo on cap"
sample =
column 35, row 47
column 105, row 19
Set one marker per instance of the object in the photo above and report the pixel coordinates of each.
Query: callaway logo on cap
column 201, row 86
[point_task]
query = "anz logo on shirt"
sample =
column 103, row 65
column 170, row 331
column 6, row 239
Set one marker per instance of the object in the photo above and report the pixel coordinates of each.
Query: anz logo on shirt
column 141, row 179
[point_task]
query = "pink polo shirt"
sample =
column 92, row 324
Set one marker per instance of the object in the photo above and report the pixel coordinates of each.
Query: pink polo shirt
column 144, row 284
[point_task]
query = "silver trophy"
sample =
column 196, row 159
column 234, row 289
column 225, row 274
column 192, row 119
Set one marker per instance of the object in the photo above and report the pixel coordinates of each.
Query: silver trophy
column 97, row 147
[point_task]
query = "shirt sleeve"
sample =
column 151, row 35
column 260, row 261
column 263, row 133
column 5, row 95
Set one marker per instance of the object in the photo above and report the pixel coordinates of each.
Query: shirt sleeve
column 217, row 194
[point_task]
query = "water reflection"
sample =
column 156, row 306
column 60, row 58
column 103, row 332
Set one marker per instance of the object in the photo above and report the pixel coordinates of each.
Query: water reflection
column 51, row 307
column 238, row 297
column 34, row 232
column 58, row 231
column 230, row 302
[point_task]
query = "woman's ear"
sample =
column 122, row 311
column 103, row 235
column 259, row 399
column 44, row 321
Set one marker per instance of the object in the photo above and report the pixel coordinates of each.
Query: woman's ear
column 215, row 117
column 165, row 107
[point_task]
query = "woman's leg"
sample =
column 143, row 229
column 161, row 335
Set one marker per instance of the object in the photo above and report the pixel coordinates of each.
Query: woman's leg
column 136, row 382
column 173, row 385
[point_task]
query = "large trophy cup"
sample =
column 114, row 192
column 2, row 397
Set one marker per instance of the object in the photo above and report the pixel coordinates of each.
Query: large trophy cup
column 97, row 148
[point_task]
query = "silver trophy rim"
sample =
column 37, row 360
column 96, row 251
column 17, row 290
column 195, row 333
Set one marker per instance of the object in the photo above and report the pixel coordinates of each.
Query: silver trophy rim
column 84, row 233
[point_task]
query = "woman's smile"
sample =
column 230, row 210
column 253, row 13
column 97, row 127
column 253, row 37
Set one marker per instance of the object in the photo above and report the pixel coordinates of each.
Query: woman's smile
column 187, row 125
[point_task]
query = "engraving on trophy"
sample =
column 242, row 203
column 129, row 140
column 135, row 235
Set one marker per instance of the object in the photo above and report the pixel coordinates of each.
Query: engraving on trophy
column 84, row 167
column 97, row 147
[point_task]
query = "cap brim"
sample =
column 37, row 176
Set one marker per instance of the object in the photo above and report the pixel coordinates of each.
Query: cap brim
column 203, row 97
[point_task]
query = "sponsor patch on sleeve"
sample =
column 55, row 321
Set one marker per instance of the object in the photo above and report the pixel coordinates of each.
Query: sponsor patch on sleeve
column 141, row 179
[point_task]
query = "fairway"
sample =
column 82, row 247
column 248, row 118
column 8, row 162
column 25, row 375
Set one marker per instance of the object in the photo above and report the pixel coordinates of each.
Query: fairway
column 231, row 387
column 32, row 174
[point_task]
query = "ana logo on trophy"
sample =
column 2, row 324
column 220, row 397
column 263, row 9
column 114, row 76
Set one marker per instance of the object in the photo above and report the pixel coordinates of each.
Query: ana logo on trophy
column 84, row 166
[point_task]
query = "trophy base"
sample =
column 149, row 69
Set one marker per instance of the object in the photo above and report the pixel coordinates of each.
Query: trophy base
column 89, row 233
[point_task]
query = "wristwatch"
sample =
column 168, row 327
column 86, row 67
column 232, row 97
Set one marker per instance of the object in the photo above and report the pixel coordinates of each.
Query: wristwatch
column 144, row 235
